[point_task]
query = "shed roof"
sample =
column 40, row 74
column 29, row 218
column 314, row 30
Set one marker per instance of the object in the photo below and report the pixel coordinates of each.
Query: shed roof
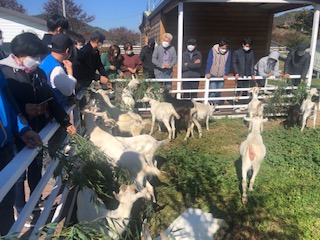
column 23, row 16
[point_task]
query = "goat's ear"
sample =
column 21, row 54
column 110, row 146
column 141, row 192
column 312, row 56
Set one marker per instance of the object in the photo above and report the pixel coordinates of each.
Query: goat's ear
column 149, row 89
column 264, row 119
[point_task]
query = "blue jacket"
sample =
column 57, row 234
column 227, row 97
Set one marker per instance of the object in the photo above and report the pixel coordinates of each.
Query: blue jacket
column 47, row 65
column 10, row 123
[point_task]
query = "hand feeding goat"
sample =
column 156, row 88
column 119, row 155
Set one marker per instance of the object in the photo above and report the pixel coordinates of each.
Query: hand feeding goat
column 255, row 107
column 252, row 152
column 127, row 100
column 127, row 121
column 117, row 219
column 309, row 108
column 187, row 111
column 123, row 155
column 204, row 112
column 162, row 112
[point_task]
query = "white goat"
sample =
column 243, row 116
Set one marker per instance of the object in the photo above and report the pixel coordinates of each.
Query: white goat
column 309, row 108
column 127, row 121
column 252, row 152
column 162, row 112
column 127, row 100
column 117, row 219
column 255, row 107
column 146, row 145
column 204, row 112
column 123, row 155
column 193, row 224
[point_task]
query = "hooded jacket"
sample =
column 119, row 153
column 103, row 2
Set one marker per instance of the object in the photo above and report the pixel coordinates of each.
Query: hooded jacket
column 297, row 65
column 10, row 124
column 32, row 88
column 262, row 68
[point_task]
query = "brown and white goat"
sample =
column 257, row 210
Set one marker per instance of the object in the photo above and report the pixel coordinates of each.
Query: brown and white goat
column 252, row 152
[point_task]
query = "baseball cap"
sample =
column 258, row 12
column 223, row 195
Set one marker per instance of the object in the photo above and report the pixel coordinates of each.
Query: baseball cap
column 60, row 42
column 151, row 41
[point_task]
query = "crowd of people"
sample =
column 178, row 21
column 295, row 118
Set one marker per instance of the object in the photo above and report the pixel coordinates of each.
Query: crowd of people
column 40, row 77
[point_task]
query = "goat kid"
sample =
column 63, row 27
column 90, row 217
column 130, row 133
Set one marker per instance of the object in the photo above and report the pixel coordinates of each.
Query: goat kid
column 163, row 112
column 252, row 152
column 309, row 108
column 187, row 111
column 255, row 107
column 204, row 112
column 127, row 100
column 117, row 219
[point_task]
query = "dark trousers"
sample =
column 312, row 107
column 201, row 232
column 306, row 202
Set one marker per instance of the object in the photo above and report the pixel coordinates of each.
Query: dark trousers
column 6, row 205
column 190, row 85
column 244, row 84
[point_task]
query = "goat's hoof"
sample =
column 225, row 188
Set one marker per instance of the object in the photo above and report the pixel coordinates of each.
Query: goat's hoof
column 244, row 200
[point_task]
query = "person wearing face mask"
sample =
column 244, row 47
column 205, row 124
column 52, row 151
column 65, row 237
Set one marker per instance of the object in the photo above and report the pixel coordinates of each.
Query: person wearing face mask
column 88, row 62
column 267, row 67
column 111, row 61
column 218, row 65
column 297, row 63
column 58, row 68
column 131, row 63
column 79, row 41
column 164, row 58
column 243, row 65
column 28, row 86
column 191, row 64
column 146, row 58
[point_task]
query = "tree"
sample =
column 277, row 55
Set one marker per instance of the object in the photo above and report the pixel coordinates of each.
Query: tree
column 121, row 35
column 76, row 16
column 13, row 5
column 304, row 21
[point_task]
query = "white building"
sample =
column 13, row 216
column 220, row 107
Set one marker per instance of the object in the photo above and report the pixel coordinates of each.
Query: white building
column 13, row 23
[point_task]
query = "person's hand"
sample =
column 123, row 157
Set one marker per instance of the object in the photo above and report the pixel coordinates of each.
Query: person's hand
column 34, row 110
column 71, row 129
column 236, row 76
column 208, row 75
column 121, row 74
column 270, row 74
column 112, row 67
column 253, row 77
column 287, row 75
column 225, row 77
column 186, row 64
column 197, row 61
column 109, row 85
column 31, row 139
column 134, row 70
column 130, row 69
column 166, row 66
column 68, row 66
column 104, row 79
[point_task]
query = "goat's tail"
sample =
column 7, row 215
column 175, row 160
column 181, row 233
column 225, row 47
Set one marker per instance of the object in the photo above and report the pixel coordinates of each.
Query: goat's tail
column 150, row 170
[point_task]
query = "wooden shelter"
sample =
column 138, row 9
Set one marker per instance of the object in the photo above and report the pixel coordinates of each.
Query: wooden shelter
column 208, row 21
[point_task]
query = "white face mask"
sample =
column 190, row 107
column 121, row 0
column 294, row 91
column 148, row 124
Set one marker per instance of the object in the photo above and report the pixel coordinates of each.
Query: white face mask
column 222, row 50
column 246, row 49
column 31, row 63
column 165, row 44
column 79, row 47
column 128, row 52
column 191, row 48
column 115, row 55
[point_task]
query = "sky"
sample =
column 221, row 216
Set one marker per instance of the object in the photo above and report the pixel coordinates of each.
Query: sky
column 108, row 13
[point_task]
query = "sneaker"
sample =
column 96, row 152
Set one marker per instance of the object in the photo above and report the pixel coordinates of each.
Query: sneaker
column 30, row 222
column 40, row 205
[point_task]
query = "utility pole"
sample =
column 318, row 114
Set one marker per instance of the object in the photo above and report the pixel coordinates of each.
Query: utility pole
column 64, row 8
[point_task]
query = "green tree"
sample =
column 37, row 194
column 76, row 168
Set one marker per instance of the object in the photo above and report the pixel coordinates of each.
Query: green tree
column 304, row 21
column 75, row 14
column 13, row 5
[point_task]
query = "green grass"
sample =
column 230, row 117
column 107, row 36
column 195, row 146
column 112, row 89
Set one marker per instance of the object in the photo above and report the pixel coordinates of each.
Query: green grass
column 204, row 173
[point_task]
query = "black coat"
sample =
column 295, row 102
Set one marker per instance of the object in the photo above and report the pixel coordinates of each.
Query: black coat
column 296, row 65
column 86, row 64
column 146, row 58
column 243, row 62
column 192, row 70
column 33, row 88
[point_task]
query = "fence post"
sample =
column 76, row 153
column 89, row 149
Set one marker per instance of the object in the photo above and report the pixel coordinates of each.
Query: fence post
column 206, row 90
